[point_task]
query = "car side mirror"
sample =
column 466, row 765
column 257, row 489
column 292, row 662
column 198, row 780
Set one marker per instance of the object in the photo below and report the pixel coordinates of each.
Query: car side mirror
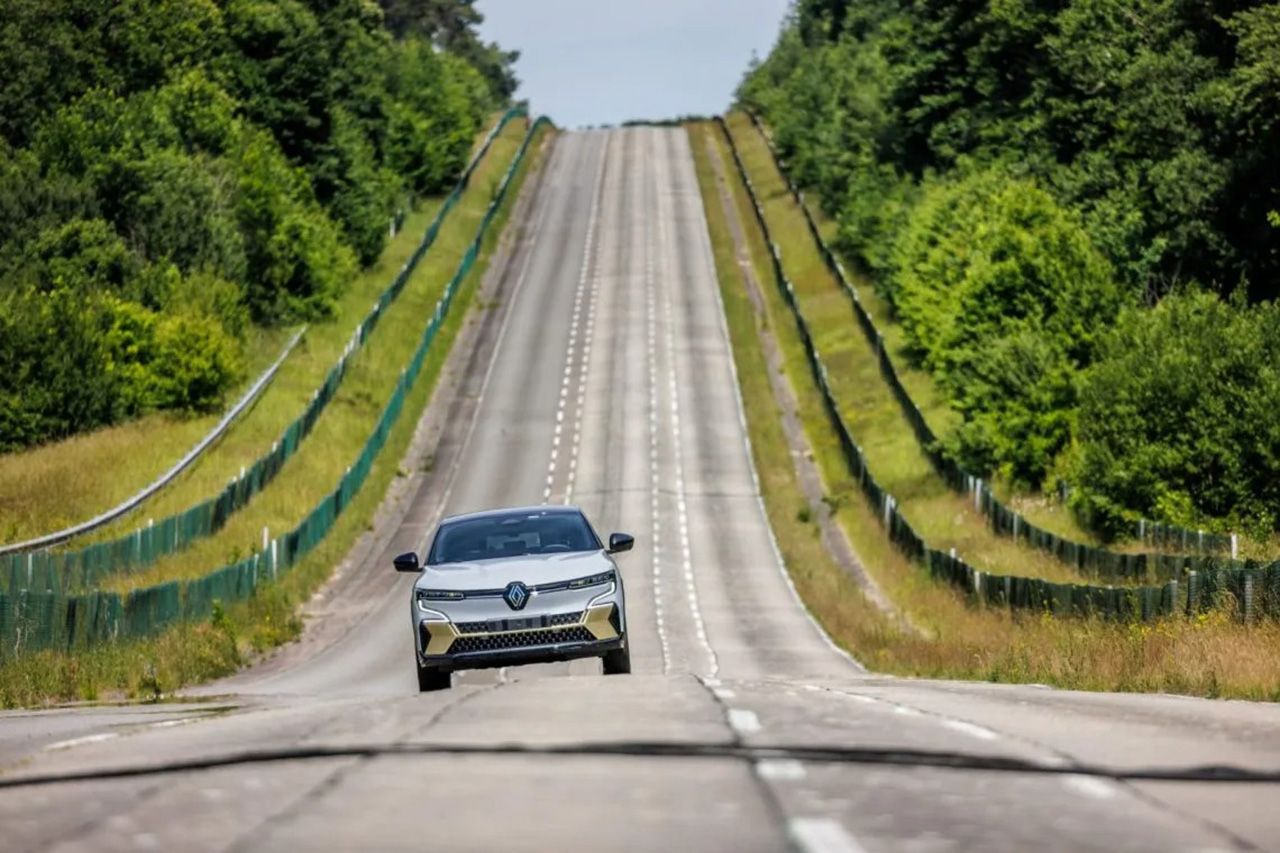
column 407, row 562
column 619, row 542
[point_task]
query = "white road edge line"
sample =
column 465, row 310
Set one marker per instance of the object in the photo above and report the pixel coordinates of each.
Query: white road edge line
column 168, row 724
column 780, row 562
column 81, row 741
column 821, row 835
column 971, row 729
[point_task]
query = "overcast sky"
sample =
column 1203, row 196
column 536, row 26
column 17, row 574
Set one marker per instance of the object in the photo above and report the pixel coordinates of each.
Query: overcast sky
column 585, row 62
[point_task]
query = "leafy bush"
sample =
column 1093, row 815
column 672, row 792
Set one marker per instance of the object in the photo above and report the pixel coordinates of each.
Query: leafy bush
column 297, row 256
column 1177, row 418
column 1002, row 295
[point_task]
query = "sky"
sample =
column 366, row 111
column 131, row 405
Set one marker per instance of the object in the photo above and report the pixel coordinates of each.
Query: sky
column 590, row 62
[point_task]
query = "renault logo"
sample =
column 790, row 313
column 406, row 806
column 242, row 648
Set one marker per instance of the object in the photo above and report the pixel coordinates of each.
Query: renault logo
column 516, row 595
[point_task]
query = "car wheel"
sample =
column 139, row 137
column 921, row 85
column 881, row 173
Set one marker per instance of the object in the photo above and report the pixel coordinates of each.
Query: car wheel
column 618, row 661
column 433, row 679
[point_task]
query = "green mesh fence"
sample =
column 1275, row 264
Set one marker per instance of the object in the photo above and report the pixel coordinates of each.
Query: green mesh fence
column 51, row 618
column 1087, row 559
column 1201, row 582
column 85, row 568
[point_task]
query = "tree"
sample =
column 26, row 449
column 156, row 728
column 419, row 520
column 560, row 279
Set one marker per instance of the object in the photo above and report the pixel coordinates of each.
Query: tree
column 452, row 25
column 1177, row 418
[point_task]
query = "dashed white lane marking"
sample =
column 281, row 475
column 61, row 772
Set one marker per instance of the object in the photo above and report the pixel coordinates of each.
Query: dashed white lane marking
column 537, row 215
column 682, row 513
column 81, row 741
column 971, row 729
column 780, row 769
column 904, row 711
column 1090, row 786
column 651, row 368
column 723, row 693
column 585, row 275
column 744, row 722
column 821, row 835
column 593, row 285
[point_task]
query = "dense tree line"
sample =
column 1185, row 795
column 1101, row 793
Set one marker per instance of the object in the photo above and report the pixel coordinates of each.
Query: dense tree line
column 172, row 171
column 1072, row 207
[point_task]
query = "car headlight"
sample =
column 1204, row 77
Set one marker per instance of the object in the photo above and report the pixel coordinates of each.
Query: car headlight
column 593, row 580
column 440, row 595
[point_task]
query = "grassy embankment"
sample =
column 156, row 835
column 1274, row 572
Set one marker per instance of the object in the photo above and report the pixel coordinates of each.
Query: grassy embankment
column 1210, row 656
column 191, row 653
column 945, row 518
column 46, row 488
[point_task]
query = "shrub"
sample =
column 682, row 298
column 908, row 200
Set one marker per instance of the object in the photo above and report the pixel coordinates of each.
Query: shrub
column 1177, row 418
column 294, row 250
column 1002, row 295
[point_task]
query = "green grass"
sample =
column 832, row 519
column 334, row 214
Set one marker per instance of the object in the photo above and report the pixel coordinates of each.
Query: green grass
column 348, row 420
column 1213, row 655
column 945, row 518
column 45, row 488
column 191, row 653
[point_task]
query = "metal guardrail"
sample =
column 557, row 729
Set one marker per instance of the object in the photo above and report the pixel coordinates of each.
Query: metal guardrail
column 128, row 504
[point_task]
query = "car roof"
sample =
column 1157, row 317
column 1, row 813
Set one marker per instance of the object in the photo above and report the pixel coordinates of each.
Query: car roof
column 545, row 509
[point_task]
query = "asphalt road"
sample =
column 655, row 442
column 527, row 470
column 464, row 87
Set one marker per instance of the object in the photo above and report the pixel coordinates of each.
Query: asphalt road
column 600, row 374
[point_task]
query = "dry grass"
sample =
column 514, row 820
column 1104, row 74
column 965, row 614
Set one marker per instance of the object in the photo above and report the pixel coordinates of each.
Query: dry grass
column 1214, row 655
column 46, row 488
column 191, row 653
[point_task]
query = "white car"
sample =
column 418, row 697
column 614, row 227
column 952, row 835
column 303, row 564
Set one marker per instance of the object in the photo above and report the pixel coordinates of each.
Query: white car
column 514, row 586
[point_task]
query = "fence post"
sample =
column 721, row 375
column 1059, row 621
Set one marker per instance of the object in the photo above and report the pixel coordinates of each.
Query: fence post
column 1248, row 595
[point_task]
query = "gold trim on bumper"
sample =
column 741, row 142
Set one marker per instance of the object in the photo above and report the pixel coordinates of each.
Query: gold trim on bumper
column 595, row 620
column 442, row 636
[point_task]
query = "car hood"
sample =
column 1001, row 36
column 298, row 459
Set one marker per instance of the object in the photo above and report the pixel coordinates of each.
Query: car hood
column 532, row 569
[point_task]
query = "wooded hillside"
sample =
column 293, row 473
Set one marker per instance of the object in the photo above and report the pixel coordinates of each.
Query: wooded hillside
column 174, row 171
column 1072, row 207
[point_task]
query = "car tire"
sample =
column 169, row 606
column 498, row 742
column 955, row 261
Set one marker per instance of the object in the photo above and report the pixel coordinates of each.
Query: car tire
column 618, row 661
column 434, row 679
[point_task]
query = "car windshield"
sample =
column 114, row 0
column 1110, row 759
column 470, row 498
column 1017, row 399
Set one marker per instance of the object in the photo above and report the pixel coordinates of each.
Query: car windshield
column 512, row 535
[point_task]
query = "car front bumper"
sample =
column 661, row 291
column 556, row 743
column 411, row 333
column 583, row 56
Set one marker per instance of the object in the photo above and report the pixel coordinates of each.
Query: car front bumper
column 448, row 644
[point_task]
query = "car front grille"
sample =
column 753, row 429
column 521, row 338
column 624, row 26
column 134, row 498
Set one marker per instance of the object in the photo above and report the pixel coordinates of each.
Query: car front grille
column 494, row 626
column 519, row 640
